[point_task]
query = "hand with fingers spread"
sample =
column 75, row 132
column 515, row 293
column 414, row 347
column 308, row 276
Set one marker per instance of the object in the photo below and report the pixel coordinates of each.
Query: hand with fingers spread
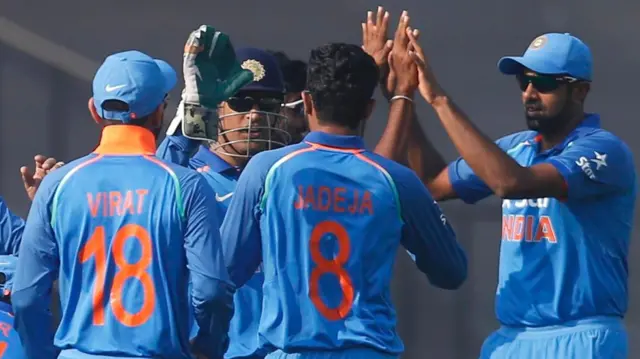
column 428, row 85
column 375, row 41
column 403, row 68
column 32, row 179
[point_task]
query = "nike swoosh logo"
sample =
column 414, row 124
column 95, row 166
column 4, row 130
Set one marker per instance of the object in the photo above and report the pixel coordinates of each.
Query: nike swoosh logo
column 223, row 198
column 110, row 88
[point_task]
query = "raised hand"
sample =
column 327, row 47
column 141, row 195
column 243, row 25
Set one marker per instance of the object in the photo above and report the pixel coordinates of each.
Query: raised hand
column 32, row 179
column 403, row 67
column 212, row 74
column 374, row 36
column 375, row 42
column 428, row 85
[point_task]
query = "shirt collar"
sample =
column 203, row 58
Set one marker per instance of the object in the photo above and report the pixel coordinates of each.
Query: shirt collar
column 330, row 140
column 126, row 140
column 211, row 159
column 591, row 122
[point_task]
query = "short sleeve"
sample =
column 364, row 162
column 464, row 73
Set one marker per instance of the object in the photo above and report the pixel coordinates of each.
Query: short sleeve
column 595, row 165
column 467, row 185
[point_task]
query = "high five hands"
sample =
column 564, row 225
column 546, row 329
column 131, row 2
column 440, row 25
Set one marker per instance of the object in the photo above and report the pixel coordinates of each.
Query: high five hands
column 403, row 65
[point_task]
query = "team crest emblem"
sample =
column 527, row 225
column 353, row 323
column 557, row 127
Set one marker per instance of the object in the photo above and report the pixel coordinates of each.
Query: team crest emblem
column 256, row 68
column 538, row 42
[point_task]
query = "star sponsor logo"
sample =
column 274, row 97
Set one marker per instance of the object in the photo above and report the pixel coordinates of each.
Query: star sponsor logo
column 600, row 160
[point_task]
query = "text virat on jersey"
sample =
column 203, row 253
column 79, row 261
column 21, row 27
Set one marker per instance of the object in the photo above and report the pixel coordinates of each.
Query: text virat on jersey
column 116, row 203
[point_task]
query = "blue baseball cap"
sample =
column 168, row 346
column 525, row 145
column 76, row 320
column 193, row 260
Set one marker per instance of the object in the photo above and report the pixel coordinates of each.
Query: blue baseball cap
column 267, row 75
column 7, row 270
column 552, row 54
column 135, row 79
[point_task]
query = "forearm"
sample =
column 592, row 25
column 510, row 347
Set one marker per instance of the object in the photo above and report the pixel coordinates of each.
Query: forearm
column 497, row 169
column 213, row 310
column 423, row 157
column 33, row 321
column 395, row 139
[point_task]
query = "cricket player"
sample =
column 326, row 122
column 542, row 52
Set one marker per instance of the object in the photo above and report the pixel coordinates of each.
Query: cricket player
column 122, row 231
column 325, row 217
column 10, row 345
column 249, row 122
column 568, row 189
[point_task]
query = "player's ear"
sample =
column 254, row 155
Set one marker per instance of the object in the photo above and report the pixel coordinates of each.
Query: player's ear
column 369, row 110
column 307, row 101
column 580, row 91
column 158, row 115
column 94, row 113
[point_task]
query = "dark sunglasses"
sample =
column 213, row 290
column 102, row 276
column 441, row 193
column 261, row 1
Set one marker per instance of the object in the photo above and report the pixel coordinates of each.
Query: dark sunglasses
column 543, row 84
column 246, row 104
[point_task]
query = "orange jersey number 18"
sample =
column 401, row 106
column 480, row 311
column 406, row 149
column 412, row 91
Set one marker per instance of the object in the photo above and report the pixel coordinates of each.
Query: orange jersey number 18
column 3, row 348
column 96, row 248
column 331, row 266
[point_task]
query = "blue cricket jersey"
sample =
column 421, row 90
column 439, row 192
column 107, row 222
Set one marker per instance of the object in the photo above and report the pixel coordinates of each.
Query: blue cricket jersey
column 563, row 259
column 326, row 217
column 222, row 177
column 11, row 227
column 10, row 345
column 123, row 231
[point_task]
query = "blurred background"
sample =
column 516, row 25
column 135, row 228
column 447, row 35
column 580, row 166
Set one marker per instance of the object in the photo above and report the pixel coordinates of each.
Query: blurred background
column 49, row 52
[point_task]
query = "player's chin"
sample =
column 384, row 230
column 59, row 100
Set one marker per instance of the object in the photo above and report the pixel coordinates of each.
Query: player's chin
column 254, row 148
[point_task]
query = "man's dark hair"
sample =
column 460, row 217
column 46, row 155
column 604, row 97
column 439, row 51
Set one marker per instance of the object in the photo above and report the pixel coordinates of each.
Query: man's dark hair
column 341, row 79
column 293, row 71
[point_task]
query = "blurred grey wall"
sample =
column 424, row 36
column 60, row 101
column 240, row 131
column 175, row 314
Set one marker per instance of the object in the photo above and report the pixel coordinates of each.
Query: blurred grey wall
column 43, row 102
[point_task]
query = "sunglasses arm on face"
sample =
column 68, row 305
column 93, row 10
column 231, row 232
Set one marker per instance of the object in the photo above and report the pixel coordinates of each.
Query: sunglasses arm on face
column 292, row 104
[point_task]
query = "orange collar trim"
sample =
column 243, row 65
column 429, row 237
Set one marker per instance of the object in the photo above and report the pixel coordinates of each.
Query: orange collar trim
column 126, row 140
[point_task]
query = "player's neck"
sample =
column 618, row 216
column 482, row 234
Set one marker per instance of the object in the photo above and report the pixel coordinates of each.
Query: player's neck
column 550, row 140
column 234, row 161
column 335, row 130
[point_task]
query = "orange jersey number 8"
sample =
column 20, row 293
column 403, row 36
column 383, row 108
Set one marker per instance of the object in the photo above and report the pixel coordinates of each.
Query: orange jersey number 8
column 333, row 266
column 96, row 248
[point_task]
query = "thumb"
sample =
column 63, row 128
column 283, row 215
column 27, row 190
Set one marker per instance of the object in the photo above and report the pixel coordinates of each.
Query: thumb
column 392, row 72
column 420, row 62
column 388, row 46
column 27, row 177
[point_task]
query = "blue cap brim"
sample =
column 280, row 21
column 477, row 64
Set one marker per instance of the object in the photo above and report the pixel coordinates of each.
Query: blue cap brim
column 513, row 65
column 170, row 76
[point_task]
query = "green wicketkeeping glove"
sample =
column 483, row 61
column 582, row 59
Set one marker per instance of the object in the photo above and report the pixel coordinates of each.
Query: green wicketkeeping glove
column 212, row 74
